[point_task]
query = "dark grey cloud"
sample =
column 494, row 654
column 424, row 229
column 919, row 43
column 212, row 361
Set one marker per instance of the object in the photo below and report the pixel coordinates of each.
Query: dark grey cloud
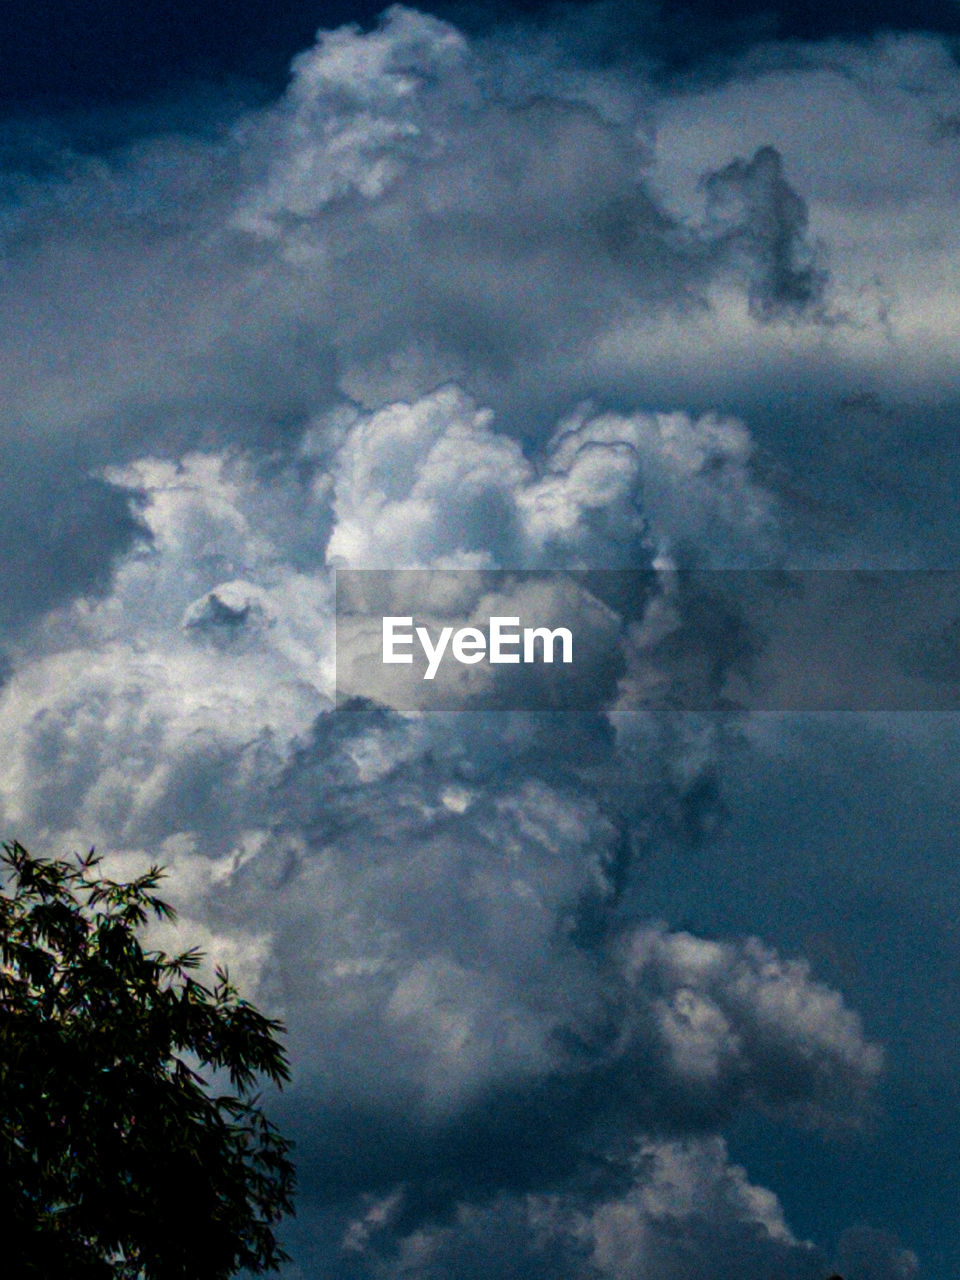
column 761, row 220
column 64, row 531
column 875, row 1255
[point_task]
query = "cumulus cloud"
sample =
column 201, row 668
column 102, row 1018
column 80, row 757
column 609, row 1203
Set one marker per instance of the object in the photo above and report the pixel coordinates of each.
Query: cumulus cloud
column 432, row 905
column 482, row 948
column 474, row 304
column 687, row 1211
column 434, row 484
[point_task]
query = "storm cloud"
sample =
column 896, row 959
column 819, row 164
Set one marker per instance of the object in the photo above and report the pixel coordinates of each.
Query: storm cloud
column 479, row 295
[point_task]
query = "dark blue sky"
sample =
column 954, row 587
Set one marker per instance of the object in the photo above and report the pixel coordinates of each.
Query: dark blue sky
column 68, row 53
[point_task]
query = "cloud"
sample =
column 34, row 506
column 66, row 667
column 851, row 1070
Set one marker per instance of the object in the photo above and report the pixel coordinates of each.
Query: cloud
column 875, row 1255
column 434, row 485
column 760, row 221
column 686, row 1212
column 482, row 302
column 481, row 948
column 69, row 531
column 431, row 905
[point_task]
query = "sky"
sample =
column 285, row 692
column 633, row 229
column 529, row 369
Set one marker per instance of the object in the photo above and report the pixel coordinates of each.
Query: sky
column 617, row 993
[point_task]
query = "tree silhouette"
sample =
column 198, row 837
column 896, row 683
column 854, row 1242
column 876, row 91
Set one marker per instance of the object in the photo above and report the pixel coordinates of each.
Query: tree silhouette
column 118, row 1159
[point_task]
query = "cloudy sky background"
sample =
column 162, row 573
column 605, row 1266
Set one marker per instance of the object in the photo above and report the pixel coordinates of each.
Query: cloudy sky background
column 610, row 994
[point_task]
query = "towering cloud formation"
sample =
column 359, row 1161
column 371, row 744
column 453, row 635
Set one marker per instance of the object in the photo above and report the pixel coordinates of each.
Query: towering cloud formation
column 460, row 304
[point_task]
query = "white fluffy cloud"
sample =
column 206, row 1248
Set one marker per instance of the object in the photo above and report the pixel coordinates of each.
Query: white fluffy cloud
column 431, row 907
column 433, row 484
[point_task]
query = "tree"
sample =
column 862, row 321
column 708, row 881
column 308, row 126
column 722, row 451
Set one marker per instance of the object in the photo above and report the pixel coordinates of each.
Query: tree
column 118, row 1159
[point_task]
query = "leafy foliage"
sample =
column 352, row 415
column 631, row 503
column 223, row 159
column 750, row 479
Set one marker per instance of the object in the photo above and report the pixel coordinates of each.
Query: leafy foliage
column 118, row 1161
